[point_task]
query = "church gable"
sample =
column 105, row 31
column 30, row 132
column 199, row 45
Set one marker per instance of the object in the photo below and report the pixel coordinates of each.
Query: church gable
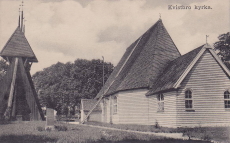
column 206, row 81
column 208, row 73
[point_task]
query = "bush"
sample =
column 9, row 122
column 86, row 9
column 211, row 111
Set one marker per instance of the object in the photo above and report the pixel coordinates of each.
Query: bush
column 48, row 129
column 61, row 128
column 206, row 137
column 198, row 132
column 157, row 126
column 188, row 132
column 40, row 129
column 3, row 121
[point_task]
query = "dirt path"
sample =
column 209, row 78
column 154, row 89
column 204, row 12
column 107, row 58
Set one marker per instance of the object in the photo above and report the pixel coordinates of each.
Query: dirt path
column 169, row 135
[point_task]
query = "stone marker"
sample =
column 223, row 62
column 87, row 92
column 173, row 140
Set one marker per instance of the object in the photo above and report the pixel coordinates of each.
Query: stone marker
column 49, row 118
column 19, row 117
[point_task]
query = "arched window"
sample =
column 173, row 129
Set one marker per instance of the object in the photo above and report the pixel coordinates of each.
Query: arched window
column 115, row 105
column 226, row 99
column 160, row 99
column 188, row 99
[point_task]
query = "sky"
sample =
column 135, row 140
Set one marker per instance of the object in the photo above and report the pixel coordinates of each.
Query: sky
column 66, row 30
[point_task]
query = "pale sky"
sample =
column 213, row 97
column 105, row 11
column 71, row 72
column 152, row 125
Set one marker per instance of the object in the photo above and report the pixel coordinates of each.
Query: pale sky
column 65, row 30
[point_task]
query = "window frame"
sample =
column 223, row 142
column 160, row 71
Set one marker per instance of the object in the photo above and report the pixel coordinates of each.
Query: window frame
column 115, row 105
column 188, row 100
column 160, row 103
column 227, row 99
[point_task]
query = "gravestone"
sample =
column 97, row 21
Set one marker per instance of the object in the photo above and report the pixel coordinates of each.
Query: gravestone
column 49, row 119
column 19, row 117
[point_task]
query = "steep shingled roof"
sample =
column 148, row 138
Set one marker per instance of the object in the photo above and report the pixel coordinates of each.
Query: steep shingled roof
column 87, row 104
column 18, row 46
column 143, row 59
column 178, row 69
column 173, row 72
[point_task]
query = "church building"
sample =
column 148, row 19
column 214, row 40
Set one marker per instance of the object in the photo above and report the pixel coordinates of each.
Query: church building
column 154, row 83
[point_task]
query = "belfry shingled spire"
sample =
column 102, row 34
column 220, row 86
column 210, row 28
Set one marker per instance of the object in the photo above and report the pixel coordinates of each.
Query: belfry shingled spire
column 19, row 18
column 18, row 97
column 22, row 17
column 207, row 39
column 18, row 45
column 24, row 26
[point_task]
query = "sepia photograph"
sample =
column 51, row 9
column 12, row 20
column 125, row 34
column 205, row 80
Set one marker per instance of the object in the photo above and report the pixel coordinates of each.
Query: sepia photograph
column 114, row 71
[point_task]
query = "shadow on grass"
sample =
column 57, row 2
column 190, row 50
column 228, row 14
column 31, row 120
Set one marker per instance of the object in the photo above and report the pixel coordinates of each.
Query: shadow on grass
column 150, row 141
column 44, row 139
column 3, row 122
column 25, row 139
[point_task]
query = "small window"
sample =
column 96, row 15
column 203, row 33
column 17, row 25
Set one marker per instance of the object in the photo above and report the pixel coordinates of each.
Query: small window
column 188, row 99
column 160, row 99
column 115, row 105
column 227, row 99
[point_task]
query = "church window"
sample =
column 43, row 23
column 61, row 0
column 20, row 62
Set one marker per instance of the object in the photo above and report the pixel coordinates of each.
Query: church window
column 115, row 105
column 160, row 99
column 188, row 99
column 227, row 99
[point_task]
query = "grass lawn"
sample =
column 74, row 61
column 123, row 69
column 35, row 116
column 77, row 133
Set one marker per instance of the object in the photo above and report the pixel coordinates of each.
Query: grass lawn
column 33, row 132
column 220, row 134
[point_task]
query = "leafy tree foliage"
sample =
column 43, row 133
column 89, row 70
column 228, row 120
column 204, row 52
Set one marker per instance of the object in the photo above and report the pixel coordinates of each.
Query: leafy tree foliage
column 63, row 85
column 222, row 47
column 3, row 68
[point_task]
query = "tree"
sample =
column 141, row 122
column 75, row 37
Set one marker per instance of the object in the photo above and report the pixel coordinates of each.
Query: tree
column 61, row 86
column 222, row 47
column 3, row 68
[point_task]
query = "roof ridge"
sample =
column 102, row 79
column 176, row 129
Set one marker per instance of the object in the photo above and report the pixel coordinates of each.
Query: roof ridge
column 188, row 53
column 222, row 65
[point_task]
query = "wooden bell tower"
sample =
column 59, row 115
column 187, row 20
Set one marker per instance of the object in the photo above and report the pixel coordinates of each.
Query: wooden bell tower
column 18, row 98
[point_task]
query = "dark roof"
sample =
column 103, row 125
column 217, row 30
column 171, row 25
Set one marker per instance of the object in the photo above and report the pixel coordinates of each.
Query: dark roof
column 87, row 104
column 18, row 46
column 173, row 72
column 144, row 58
